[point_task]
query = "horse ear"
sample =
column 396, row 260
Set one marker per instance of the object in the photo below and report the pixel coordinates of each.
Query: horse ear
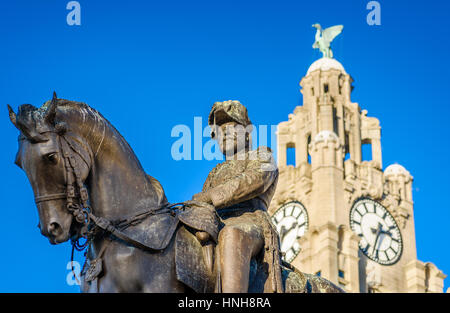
column 51, row 110
column 12, row 116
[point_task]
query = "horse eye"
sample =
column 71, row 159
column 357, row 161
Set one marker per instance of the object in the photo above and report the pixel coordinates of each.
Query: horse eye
column 52, row 157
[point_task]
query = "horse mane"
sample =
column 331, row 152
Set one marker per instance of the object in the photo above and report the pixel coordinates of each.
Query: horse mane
column 158, row 189
column 31, row 122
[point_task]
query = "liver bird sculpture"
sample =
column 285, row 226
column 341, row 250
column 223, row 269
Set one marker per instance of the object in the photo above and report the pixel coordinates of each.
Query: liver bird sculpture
column 324, row 37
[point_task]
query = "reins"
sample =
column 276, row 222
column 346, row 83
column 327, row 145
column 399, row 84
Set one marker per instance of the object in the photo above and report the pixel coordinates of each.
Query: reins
column 77, row 203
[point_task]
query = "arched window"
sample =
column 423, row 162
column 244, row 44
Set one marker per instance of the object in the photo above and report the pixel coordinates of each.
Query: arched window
column 366, row 150
column 290, row 154
column 307, row 149
column 347, row 147
column 335, row 122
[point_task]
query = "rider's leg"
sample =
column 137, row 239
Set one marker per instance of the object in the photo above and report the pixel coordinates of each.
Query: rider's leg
column 238, row 244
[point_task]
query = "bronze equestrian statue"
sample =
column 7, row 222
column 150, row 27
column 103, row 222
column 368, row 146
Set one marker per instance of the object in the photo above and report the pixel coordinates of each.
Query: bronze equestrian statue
column 91, row 189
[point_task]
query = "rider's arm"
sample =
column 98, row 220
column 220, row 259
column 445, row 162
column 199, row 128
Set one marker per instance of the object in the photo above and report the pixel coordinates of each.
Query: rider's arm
column 260, row 173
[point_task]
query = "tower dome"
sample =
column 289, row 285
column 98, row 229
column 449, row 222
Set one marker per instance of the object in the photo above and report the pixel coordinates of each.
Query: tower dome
column 395, row 170
column 324, row 64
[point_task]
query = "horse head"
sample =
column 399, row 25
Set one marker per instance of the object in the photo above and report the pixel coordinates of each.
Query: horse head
column 45, row 146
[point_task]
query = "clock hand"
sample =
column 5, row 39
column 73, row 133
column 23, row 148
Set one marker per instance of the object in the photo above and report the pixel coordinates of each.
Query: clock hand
column 387, row 232
column 294, row 228
column 375, row 243
column 379, row 229
column 283, row 232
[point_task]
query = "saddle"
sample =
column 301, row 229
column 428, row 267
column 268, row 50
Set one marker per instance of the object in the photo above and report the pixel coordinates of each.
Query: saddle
column 195, row 244
column 156, row 232
column 193, row 267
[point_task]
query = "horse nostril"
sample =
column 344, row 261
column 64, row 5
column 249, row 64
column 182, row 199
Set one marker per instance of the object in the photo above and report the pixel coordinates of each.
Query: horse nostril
column 54, row 229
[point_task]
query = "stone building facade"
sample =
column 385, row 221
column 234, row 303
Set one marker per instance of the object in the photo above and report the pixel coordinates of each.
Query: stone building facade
column 342, row 217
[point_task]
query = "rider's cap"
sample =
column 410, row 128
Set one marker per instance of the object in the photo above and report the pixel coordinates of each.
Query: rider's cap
column 228, row 111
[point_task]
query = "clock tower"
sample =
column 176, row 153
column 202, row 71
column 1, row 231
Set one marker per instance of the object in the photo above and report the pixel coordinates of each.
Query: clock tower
column 339, row 212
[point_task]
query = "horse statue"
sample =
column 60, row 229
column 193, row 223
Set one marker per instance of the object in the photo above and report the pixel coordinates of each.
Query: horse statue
column 90, row 188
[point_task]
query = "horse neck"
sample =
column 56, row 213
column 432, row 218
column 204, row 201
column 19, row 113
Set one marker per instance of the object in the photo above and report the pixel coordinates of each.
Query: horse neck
column 117, row 183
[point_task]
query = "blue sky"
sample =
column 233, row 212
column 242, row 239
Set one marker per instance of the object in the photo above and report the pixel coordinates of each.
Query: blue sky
column 150, row 65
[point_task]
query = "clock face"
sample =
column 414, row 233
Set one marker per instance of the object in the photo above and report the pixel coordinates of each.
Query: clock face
column 381, row 240
column 291, row 221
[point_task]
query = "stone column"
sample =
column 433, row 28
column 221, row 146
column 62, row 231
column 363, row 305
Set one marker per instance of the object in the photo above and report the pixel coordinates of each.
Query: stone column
column 376, row 153
column 415, row 276
column 327, row 252
column 351, row 269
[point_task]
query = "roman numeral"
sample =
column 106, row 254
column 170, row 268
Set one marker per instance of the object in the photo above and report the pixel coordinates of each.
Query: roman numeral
column 395, row 251
column 365, row 208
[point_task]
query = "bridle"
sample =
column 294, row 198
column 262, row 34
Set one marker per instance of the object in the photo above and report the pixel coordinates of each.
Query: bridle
column 77, row 203
column 76, row 195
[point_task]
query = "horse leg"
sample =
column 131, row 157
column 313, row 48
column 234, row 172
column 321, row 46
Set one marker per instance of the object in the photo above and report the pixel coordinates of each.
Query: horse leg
column 121, row 269
column 130, row 269
column 107, row 285
column 157, row 270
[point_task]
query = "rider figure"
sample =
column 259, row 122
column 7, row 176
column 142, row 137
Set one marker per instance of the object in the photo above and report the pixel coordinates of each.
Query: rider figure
column 241, row 189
